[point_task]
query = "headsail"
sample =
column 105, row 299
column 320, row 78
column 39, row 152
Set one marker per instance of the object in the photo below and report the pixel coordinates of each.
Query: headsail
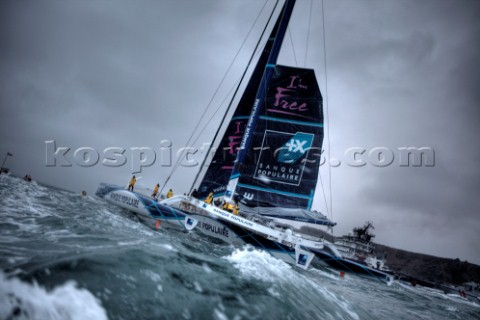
column 218, row 173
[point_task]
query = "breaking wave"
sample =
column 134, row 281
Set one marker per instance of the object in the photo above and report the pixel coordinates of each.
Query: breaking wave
column 21, row 301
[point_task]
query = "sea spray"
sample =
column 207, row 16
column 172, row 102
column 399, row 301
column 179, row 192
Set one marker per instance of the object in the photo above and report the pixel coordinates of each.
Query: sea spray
column 22, row 300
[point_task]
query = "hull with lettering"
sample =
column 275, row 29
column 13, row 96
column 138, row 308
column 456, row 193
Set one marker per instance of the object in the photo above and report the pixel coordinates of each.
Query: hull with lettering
column 147, row 208
column 239, row 230
column 236, row 235
column 176, row 216
column 214, row 228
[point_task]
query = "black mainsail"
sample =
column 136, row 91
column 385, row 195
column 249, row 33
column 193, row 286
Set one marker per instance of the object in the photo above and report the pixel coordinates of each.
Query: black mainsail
column 281, row 167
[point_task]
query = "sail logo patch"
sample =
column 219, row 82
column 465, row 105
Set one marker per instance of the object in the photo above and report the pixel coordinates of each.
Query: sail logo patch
column 248, row 196
column 295, row 148
column 282, row 157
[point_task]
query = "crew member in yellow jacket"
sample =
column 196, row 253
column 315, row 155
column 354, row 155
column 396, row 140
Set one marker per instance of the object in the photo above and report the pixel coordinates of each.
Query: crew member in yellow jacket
column 227, row 206
column 209, row 199
column 169, row 193
column 236, row 209
column 132, row 183
column 155, row 190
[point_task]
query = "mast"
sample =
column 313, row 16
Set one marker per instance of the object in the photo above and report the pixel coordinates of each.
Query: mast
column 259, row 98
column 217, row 175
column 220, row 168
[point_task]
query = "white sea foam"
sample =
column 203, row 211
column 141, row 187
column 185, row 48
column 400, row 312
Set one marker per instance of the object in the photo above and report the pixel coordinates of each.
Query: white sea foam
column 262, row 266
column 219, row 313
column 273, row 292
column 206, row 268
column 22, row 300
column 169, row 247
column 258, row 264
column 186, row 314
column 457, row 298
column 130, row 243
column 155, row 277
column 197, row 287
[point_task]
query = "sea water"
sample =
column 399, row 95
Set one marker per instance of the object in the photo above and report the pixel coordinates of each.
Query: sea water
column 64, row 256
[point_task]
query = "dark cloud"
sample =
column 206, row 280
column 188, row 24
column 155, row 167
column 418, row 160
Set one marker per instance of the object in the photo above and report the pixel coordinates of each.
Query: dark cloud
column 404, row 75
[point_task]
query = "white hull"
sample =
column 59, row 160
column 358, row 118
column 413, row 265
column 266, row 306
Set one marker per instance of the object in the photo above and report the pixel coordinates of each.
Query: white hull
column 189, row 214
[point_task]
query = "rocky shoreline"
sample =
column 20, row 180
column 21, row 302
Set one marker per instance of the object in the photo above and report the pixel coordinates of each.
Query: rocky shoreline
column 421, row 267
column 429, row 268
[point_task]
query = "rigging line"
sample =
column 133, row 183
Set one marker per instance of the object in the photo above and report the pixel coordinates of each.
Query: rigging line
column 323, row 191
column 211, row 100
column 327, row 112
column 215, row 112
column 293, row 47
column 308, row 32
column 234, row 95
column 177, row 163
column 235, row 86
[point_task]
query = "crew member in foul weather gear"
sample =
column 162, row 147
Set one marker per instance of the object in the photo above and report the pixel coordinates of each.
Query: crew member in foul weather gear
column 236, row 209
column 194, row 193
column 132, row 183
column 169, row 193
column 155, row 190
column 227, row 206
column 209, row 199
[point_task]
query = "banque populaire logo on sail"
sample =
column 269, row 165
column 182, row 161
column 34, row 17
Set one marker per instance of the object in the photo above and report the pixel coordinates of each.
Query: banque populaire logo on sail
column 295, row 148
column 280, row 161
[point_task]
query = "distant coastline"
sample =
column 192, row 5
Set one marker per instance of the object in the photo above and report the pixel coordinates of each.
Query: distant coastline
column 430, row 268
column 425, row 267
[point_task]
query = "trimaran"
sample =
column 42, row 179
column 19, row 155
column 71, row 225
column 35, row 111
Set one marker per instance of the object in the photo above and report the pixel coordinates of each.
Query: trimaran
column 267, row 162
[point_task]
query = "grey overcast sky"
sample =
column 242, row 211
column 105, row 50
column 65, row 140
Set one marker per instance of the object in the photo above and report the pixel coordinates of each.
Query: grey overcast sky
column 133, row 73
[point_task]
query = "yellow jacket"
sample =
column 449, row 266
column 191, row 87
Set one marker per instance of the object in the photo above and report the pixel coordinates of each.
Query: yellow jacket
column 155, row 190
column 237, row 208
column 209, row 199
column 169, row 193
column 229, row 207
column 132, row 181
